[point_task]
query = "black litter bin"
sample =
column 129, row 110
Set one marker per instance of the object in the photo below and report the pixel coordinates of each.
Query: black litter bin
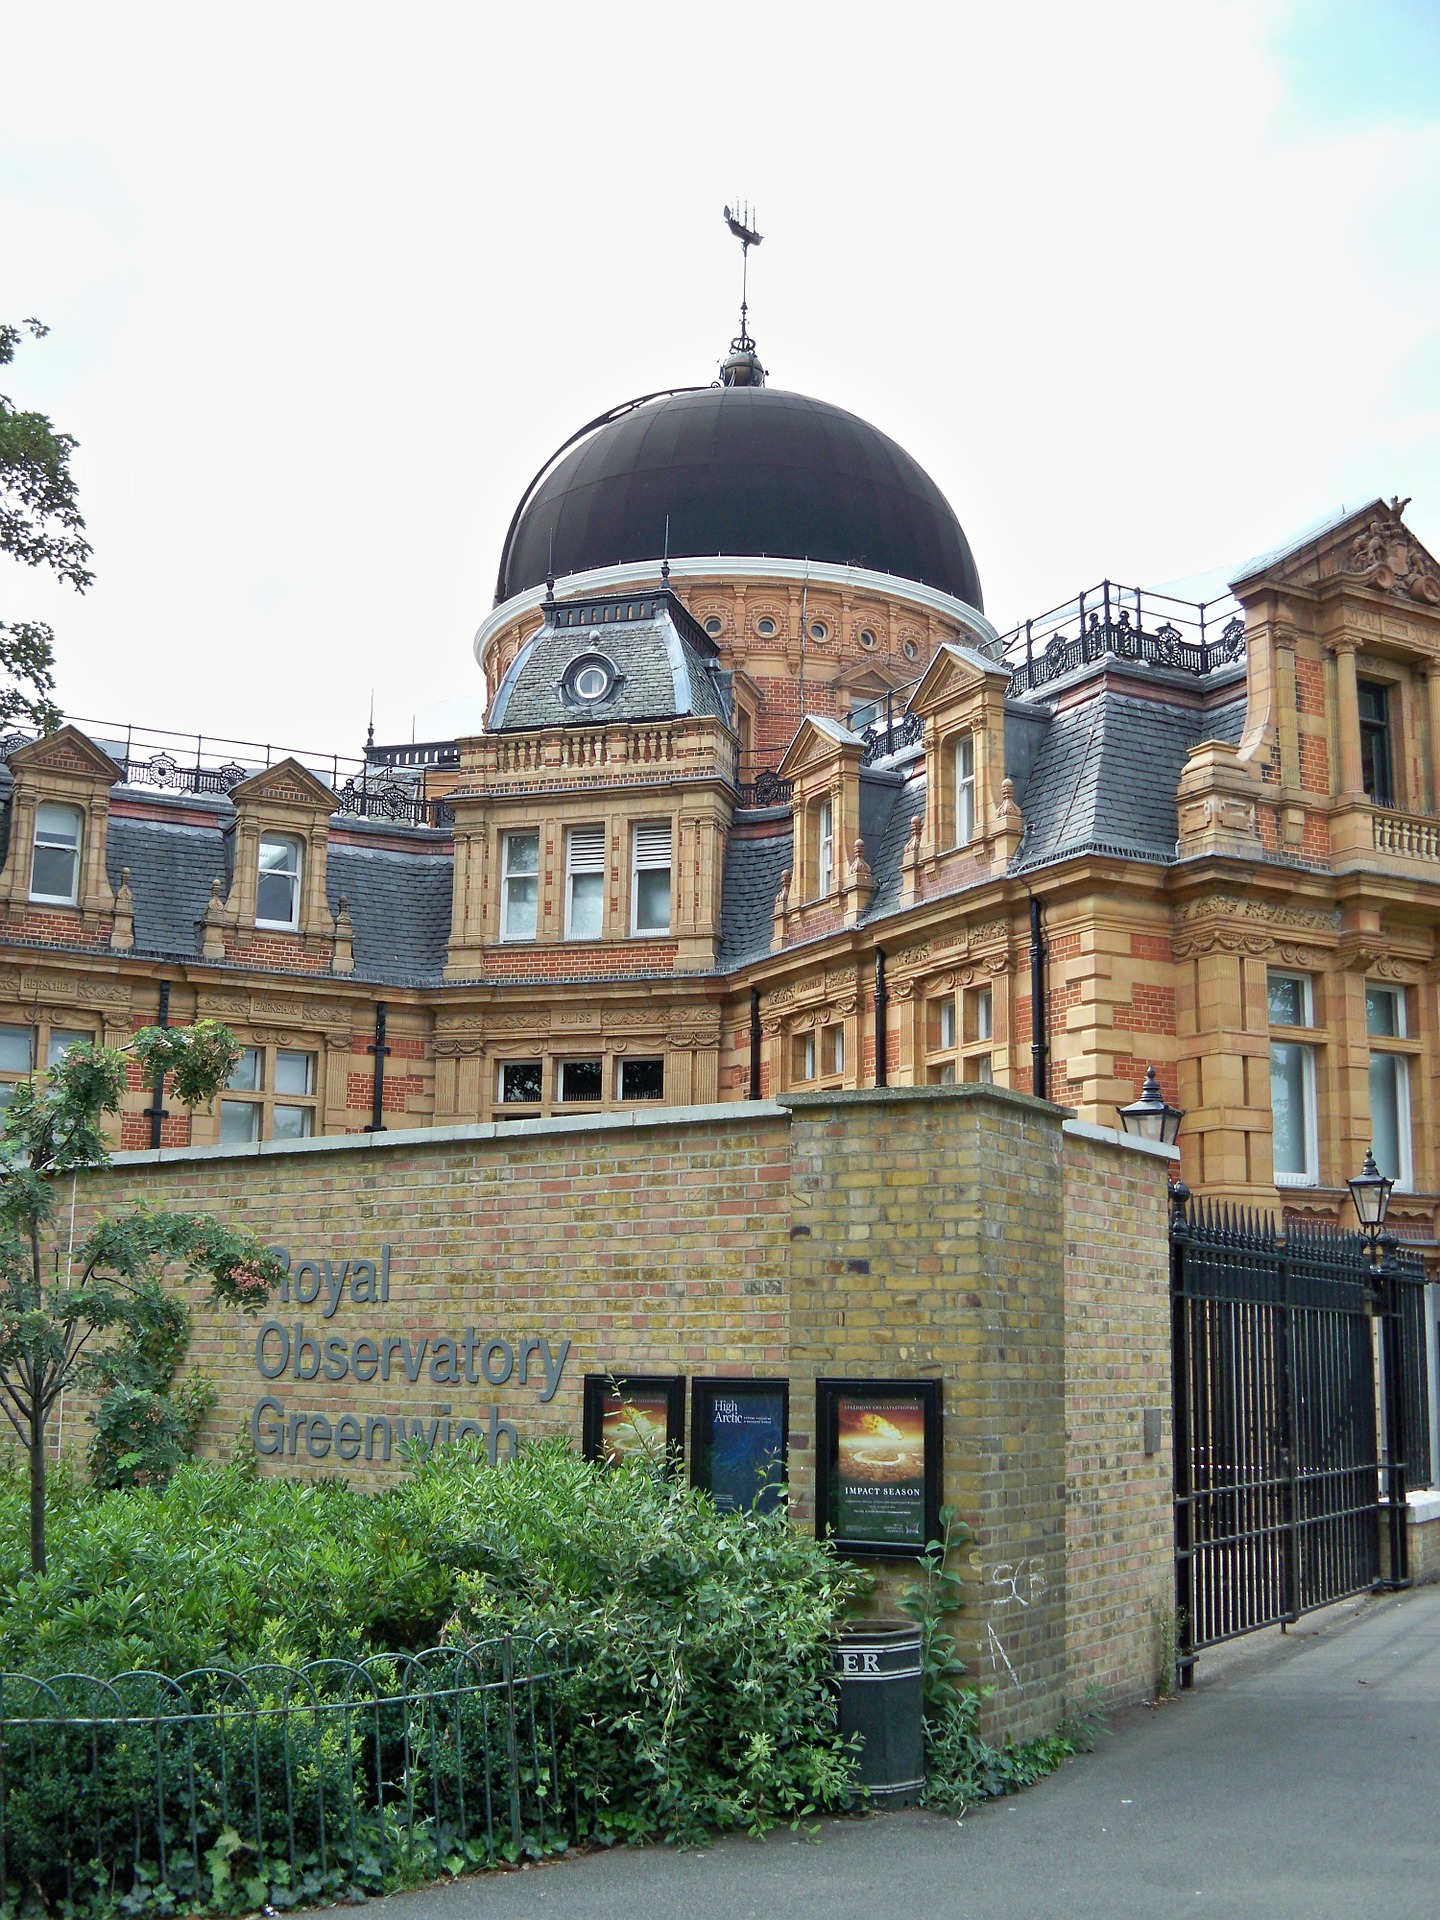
column 879, row 1671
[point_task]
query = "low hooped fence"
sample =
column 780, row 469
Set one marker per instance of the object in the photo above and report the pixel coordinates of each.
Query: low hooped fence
column 226, row 1791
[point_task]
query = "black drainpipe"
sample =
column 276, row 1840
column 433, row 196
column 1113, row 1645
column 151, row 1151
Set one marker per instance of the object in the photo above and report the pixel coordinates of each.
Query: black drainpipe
column 1039, row 1047
column 157, row 1113
column 882, row 1009
column 754, row 1043
column 379, row 1049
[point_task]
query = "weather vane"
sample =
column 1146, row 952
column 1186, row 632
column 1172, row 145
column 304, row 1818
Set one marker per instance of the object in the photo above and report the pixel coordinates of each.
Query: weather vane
column 743, row 368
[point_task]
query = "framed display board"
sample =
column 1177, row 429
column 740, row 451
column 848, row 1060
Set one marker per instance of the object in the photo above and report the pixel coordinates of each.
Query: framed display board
column 633, row 1413
column 878, row 1448
column 739, row 1442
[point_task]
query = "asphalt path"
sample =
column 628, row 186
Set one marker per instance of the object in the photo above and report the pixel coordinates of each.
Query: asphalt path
column 1298, row 1780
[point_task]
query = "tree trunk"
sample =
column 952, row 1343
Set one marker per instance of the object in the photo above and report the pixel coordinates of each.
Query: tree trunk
column 37, row 1498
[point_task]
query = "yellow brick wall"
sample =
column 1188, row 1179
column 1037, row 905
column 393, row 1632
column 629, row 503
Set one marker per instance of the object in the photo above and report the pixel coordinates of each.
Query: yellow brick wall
column 951, row 1232
column 1119, row 1524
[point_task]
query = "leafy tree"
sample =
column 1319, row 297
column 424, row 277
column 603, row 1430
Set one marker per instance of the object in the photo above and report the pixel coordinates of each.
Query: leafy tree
column 41, row 526
column 54, row 1301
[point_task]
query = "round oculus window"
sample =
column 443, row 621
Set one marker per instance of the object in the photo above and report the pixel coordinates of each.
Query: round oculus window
column 911, row 651
column 765, row 628
column 867, row 637
column 819, row 630
column 714, row 626
column 589, row 678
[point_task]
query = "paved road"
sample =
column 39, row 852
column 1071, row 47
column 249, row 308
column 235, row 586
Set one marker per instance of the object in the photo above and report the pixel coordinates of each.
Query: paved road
column 1299, row 1780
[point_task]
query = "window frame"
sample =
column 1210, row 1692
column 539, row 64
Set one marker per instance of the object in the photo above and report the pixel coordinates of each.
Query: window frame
column 55, row 845
column 295, row 843
column 966, row 791
column 527, row 1060
column 638, row 828
column 1399, row 1047
column 265, row 1096
column 590, row 831
column 824, row 847
column 1377, row 743
column 640, row 1060
column 509, row 839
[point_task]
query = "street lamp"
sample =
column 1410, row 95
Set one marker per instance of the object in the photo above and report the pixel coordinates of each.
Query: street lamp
column 1149, row 1117
column 1370, row 1190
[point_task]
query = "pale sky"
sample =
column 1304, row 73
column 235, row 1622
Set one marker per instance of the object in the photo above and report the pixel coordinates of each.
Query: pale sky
column 1146, row 288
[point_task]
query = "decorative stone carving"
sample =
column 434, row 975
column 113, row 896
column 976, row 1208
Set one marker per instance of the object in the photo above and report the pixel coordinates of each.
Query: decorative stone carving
column 122, row 934
column 344, row 957
column 1385, row 554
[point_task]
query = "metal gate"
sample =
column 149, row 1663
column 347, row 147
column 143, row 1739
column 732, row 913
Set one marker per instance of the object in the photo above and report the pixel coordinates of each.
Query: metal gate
column 1283, row 1489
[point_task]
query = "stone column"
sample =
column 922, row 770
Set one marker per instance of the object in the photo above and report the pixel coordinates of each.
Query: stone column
column 1432, row 714
column 1347, row 716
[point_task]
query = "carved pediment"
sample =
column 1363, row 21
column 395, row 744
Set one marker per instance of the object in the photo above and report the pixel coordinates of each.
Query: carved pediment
column 954, row 673
column 68, row 751
column 1372, row 547
column 817, row 742
column 287, row 783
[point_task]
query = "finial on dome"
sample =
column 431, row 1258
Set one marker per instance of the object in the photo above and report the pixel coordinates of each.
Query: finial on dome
column 741, row 366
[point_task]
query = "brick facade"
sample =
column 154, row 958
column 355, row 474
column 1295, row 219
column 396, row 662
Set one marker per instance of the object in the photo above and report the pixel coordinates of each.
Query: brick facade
column 956, row 1233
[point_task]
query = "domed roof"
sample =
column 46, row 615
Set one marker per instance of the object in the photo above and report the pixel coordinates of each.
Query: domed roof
column 746, row 471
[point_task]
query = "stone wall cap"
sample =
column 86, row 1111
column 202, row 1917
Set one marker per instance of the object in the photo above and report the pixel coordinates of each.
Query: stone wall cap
column 974, row 1090
column 1424, row 1505
column 1113, row 1137
column 723, row 1113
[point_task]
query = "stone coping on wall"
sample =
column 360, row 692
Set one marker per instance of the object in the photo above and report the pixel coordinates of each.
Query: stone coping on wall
column 718, row 1113
column 722, row 1113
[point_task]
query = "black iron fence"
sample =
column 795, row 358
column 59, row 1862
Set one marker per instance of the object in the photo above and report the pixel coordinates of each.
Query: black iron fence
column 1155, row 629
column 1283, row 1489
column 232, row 1791
column 388, row 784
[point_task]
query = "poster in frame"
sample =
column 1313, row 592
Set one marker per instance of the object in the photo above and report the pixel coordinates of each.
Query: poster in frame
column 633, row 1413
column 878, row 1451
column 740, row 1442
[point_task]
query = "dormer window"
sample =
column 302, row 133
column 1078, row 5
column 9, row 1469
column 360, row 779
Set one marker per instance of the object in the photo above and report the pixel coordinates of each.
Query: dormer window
column 55, row 865
column 588, row 680
column 277, row 903
column 964, row 789
column 824, row 848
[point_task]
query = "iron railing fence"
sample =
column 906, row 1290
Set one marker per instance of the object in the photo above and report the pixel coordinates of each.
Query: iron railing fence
column 387, row 783
column 1414, row 1334
column 1132, row 623
column 228, row 1791
column 1281, row 1481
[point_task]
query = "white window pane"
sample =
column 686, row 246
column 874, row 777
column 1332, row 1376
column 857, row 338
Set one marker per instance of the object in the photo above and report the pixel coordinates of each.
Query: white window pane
column 521, row 901
column 652, row 901
column 54, row 873
column 246, row 1076
column 293, row 1123
column 15, row 1054
column 57, row 825
column 279, row 854
column 585, row 849
column 294, row 1073
column 945, row 1076
column 522, row 853
column 239, row 1122
column 984, row 1014
column 61, row 1043
column 944, row 1023
column 276, row 899
column 1383, row 1013
column 1389, row 1117
column 587, row 906
column 520, row 1083
column 1288, row 1094
column 1289, row 1000
column 985, row 1070
column 964, row 789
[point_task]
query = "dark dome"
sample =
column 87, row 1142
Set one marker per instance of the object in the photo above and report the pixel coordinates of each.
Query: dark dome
column 740, row 470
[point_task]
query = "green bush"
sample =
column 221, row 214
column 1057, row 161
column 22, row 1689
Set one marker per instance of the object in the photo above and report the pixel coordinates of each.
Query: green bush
column 693, row 1696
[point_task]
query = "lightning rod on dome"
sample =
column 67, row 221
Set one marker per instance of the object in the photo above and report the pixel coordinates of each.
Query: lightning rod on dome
column 741, row 366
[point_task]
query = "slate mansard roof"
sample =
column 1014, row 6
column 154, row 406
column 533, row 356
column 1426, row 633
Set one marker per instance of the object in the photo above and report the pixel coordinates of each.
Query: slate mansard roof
column 658, row 664
column 1095, row 773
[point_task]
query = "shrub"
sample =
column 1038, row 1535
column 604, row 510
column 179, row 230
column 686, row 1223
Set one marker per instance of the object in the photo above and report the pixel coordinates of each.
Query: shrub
column 693, row 1696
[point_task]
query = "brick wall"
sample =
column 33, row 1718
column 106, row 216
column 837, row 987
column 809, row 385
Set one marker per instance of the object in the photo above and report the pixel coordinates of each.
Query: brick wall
column 1119, row 1528
column 955, row 1232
